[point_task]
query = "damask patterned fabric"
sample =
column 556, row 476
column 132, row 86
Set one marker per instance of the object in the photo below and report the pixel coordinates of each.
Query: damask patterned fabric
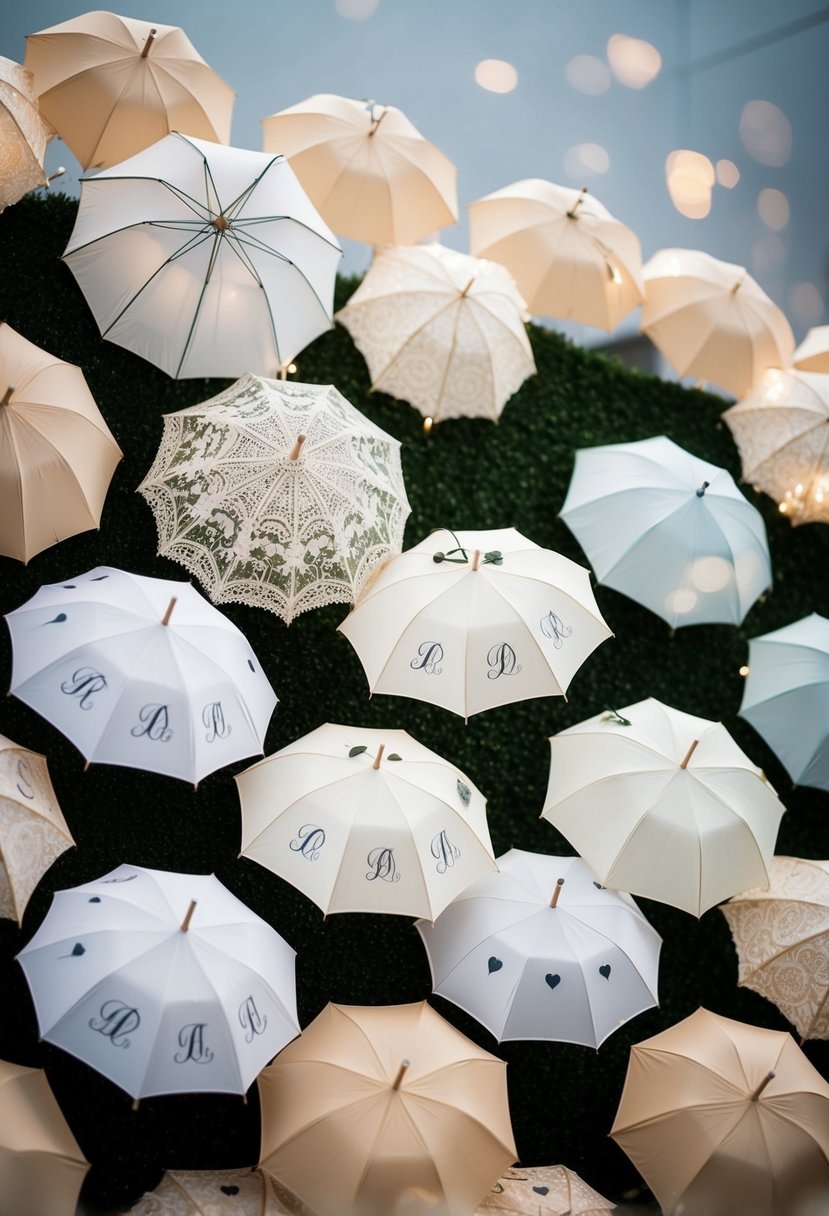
column 547, row 1190
column 219, row 1193
column 23, row 134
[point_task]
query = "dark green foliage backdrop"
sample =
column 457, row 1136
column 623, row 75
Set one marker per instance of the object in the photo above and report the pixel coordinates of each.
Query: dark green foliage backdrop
column 466, row 474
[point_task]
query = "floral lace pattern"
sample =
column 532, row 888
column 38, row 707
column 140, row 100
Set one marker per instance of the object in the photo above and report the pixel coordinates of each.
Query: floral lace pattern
column 550, row 1190
column 23, row 134
column 219, row 1193
column 259, row 528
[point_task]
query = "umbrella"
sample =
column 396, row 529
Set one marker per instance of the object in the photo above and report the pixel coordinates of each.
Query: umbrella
column 141, row 672
column 711, row 319
column 111, row 86
column 543, row 1190
column 786, row 697
column 781, row 933
column 368, row 171
column 365, row 821
column 441, row 330
column 782, row 432
column 33, row 831
column 540, row 951
column 51, row 433
column 663, row 804
column 407, row 1115
column 568, row 255
column 277, row 494
column 475, row 619
column 813, row 353
column 219, row 1193
column 165, row 983
column 206, row 260
column 41, row 1164
column 23, row 134
column 724, row 1117
column 668, row 530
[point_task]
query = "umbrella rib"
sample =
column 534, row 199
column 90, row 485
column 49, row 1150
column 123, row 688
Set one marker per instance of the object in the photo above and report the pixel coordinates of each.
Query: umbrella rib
column 449, row 358
column 64, row 463
column 246, row 238
column 375, row 380
column 531, row 636
column 770, row 959
column 19, row 483
column 290, row 805
column 214, row 253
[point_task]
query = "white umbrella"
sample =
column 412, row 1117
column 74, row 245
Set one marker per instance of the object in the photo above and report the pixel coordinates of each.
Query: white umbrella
column 142, row 672
column 668, row 530
column 663, row 804
column 786, row 697
column 475, row 619
column 540, row 950
column 206, row 260
column 365, row 821
column 164, row 982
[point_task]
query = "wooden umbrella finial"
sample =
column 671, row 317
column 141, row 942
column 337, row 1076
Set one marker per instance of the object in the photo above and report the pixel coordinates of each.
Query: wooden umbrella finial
column 148, row 43
column 165, row 620
column 556, row 892
column 404, row 1064
column 297, row 448
column 188, row 916
column 689, row 754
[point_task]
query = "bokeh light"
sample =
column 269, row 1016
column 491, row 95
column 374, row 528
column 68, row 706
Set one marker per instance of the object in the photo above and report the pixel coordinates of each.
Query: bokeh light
column 496, row 75
column 681, row 601
column 586, row 159
column 635, row 63
column 356, row 10
column 710, row 574
column 727, row 173
column 806, row 303
column 588, row 74
column 773, row 209
column 690, row 177
column 766, row 133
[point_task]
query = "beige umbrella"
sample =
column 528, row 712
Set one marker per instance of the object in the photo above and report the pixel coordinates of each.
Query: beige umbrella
column 244, row 1192
column 569, row 256
column 712, row 320
column 722, row 1117
column 441, row 330
column 51, row 434
column 113, row 85
column 41, row 1164
column 781, row 933
column 368, row 171
column 543, row 1190
column 782, row 432
column 813, row 353
column 23, row 134
column 33, row 832
column 385, row 1111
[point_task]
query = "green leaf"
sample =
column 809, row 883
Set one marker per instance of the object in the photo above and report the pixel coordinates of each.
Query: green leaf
column 394, row 756
column 357, row 751
column 464, row 792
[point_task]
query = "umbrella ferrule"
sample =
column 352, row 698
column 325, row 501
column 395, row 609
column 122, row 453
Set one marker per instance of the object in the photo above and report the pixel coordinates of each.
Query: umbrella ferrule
column 476, row 559
column 375, row 122
column 220, row 223
column 571, row 214
column 165, row 620
column 556, row 892
column 404, row 1064
column 689, row 754
column 150, row 39
column 188, row 916
column 7, row 396
column 379, row 755
column 297, row 448
column 703, row 488
column 768, row 1077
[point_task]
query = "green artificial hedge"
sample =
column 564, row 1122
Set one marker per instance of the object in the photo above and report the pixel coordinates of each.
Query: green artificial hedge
column 466, row 474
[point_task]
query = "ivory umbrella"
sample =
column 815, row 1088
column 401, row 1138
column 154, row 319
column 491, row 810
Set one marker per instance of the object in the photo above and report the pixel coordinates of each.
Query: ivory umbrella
column 543, row 1190
column 812, row 355
column 242, row 1192
column 23, row 134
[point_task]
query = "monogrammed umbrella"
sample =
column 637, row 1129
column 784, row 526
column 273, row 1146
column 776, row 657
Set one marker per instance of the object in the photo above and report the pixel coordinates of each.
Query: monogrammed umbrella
column 164, row 982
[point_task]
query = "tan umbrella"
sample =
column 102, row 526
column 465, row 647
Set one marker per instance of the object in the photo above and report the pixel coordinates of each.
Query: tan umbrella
column 113, row 85
column 711, row 319
column 41, row 1165
column 782, row 432
column 813, row 353
column 33, row 832
column 781, row 933
column 569, row 256
column 545, row 1190
column 385, row 1111
column 244, row 1192
column 722, row 1117
column 368, row 171
column 441, row 330
column 23, row 134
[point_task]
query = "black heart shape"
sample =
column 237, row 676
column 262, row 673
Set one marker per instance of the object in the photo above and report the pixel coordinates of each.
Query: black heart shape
column 553, row 980
column 605, row 971
column 57, row 620
column 78, row 950
column 94, row 899
column 250, row 665
column 541, row 1190
column 229, row 1190
column 494, row 964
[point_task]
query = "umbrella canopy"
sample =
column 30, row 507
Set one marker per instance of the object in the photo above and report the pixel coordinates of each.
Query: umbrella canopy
column 51, row 433
column 569, row 256
column 786, row 697
column 475, row 619
column 711, row 319
column 111, row 86
column 219, row 1193
column 782, row 432
column 813, row 353
column 23, row 134
column 141, row 672
column 365, row 821
column 368, row 171
column 719, row 1116
column 540, row 951
column 33, row 831
column 663, row 804
column 205, row 260
column 407, row 1114
column 781, row 933
column 277, row 494
column 41, row 1165
column 165, row 983
column 543, row 1190
column 441, row 330
column 669, row 530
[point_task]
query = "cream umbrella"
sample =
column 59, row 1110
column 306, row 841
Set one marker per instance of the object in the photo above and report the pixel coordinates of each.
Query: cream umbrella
column 408, row 1115
column 782, row 433
column 112, row 85
column 23, row 134
column 568, row 255
column 33, row 831
column 51, row 433
column 219, row 1193
column 719, row 1116
column 543, row 1190
column 440, row 330
column 368, row 171
column 712, row 320
column 663, row 804
column 781, row 934
column 365, row 821
column 475, row 619
column 812, row 355
column 277, row 494
column 41, row 1165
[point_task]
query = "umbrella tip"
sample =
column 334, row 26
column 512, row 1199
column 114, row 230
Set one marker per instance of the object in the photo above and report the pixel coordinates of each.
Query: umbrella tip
column 165, row 620
column 556, row 892
column 148, row 43
column 7, row 396
column 297, row 448
column 768, row 1077
column 689, row 754
column 379, row 755
column 476, row 559
column 404, row 1064
column 185, row 924
column 703, row 488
